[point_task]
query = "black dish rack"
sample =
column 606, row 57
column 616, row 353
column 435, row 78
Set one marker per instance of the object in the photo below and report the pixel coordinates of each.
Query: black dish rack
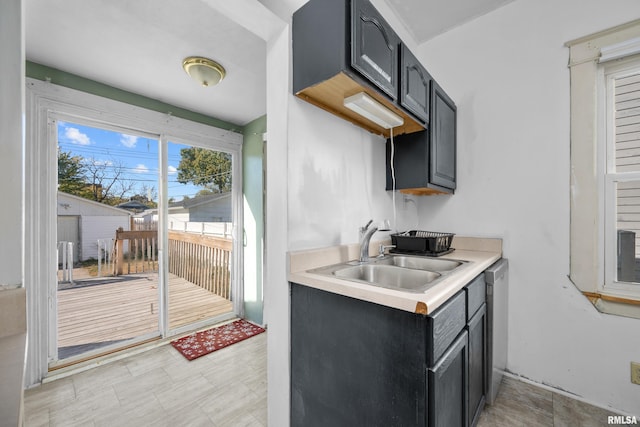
column 422, row 242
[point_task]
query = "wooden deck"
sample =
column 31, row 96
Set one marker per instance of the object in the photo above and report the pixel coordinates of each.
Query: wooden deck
column 119, row 308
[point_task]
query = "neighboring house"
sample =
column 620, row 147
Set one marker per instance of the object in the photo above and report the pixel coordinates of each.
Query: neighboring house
column 203, row 215
column 133, row 206
column 83, row 222
column 209, row 208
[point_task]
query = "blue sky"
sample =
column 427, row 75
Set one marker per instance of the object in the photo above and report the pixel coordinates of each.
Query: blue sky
column 136, row 156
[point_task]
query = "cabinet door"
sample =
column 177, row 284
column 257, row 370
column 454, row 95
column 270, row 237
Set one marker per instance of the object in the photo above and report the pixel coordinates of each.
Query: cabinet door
column 414, row 85
column 477, row 364
column 443, row 138
column 448, row 386
column 355, row 363
column 374, row 47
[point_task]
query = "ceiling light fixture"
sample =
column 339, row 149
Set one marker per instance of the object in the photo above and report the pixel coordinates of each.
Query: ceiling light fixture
column 204, row 70
column 368, row 107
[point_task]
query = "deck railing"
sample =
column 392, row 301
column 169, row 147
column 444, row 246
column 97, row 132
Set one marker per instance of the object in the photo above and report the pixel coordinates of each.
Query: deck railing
column 106, row 253
column 141, row 252
column 202, row 260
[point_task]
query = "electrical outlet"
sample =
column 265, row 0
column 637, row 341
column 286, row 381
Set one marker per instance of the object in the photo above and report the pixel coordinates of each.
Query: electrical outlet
column 635, row 373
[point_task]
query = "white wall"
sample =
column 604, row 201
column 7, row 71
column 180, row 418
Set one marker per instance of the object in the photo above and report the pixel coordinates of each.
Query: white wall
column 97, row 221
column 99, row 227
column 13, row 325
column 276, row 289
column 507, row 72
column 336, row 178
column 11, row 142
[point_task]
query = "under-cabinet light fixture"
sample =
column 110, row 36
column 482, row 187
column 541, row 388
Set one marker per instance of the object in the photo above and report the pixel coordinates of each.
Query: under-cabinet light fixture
column 368, row 107
column 204, row 70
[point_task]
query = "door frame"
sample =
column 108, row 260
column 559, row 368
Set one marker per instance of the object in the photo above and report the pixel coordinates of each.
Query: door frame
column 43, row 101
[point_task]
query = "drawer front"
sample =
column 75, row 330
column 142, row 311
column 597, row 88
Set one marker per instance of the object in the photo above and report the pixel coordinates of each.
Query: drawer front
column 476, row 294
column 445, row 325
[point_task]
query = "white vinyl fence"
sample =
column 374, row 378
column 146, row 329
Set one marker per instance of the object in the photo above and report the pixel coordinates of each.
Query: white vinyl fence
column 65, row 258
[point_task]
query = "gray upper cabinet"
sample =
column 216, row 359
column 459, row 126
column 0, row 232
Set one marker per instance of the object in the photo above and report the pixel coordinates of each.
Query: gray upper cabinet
column 424, row 163
column 414, row 85
column 374, row 47
column 442, row 138
column 341, row 48
column 344, row 47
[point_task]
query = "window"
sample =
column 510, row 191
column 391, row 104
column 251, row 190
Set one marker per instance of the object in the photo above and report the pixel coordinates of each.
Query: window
column 621, row 120
column 605, row 168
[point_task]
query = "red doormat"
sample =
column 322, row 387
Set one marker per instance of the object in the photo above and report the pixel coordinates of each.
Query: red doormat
column 205, row 342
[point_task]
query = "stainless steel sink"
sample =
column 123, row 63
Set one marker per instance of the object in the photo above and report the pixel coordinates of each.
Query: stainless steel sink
column 400, row 272
column 389, row 276
column 423, row 263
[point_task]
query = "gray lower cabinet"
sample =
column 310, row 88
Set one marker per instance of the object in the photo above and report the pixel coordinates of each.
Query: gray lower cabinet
column 448, row 380
column 478, row 363
column 355, row 363
column 477, row 330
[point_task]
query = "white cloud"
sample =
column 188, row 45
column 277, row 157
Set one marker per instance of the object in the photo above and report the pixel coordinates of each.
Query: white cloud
column 128, row 141
column 172, row 170
column 76, row 137
column 141, row 169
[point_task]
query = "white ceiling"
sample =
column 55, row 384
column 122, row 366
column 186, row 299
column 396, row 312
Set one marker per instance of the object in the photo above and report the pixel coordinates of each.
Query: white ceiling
column 139, row 45
column 425, row 19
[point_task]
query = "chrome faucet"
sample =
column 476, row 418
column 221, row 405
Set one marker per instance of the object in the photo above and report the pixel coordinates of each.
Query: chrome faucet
column 366, row 233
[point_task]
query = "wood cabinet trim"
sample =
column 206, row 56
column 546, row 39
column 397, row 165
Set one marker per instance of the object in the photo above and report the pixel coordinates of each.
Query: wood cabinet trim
column 330, row 94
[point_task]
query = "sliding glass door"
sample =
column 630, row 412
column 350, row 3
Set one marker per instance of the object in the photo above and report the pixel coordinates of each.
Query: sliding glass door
column 199, row 235
column 145, row 244
column 107, row 278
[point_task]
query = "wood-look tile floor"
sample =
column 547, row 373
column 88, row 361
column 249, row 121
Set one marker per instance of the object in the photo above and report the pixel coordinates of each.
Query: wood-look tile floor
column 520, row 404
column 160, row 388
column 228, row 388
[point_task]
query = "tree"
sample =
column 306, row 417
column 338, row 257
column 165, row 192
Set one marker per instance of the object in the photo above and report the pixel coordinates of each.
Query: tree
column 100, row 181
column 71, row 174
column 204, row 192
column 207, row 168
column 105, row 182
column 147, row 196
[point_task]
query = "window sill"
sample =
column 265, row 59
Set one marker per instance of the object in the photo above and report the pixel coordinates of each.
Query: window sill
column 612, row 304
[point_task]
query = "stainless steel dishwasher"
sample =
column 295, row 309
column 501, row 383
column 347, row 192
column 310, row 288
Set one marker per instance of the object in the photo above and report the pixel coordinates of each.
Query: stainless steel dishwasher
column 497, row 278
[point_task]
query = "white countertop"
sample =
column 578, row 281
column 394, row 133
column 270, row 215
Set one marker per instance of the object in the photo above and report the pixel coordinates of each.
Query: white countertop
column 479, row 253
